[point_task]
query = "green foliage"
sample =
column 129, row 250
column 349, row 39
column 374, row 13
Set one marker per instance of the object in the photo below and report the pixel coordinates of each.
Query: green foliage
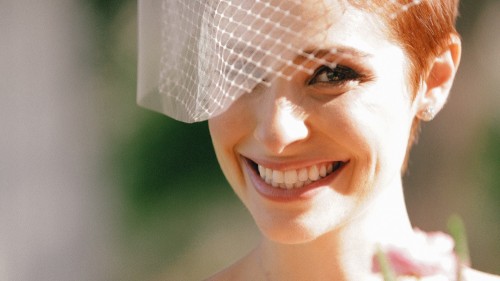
column 107, row 9
column 491, row 158
column 168, row 159
column 385, row 266
column 456, row 228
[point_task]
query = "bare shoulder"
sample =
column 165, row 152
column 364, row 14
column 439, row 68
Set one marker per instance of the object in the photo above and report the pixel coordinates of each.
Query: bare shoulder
column 475, row 275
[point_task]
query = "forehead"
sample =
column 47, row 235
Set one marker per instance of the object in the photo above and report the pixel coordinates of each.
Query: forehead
column 247, row 43
column 288, row 25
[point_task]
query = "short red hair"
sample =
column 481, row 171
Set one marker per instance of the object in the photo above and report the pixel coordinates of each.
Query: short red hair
column 422, row 28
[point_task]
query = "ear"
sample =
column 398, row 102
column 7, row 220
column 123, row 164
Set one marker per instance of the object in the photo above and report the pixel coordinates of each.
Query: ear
column 437, row 85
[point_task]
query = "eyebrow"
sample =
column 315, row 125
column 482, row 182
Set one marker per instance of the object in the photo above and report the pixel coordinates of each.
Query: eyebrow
column 341, row 50
column 336, row 50
column 307, row 54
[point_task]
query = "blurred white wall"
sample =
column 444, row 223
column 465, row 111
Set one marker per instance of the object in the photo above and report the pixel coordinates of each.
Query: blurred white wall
column 54, row 209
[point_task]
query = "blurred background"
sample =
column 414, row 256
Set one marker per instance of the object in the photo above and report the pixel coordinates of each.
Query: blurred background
column 93, row 187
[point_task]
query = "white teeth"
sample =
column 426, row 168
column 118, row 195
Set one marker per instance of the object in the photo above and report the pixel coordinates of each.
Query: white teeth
column 322, row 170
column 269, row 175
column 313, row 173
column 329, row 168
column 291, row 176
column 299, row 184
column 303, row 175
column 296, row 178
column 262, row 172
column 278, row 176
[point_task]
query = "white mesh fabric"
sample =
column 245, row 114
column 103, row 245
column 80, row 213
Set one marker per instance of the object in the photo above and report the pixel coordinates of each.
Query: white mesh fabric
column 196, row 57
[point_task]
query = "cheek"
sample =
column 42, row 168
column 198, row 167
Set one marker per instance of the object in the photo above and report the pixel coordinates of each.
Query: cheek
column 383, row 122
column 372, row 124
column 222, row 133
column 226, row 131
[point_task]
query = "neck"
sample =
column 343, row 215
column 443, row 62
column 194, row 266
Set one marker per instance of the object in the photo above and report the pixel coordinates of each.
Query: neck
column 344, row 253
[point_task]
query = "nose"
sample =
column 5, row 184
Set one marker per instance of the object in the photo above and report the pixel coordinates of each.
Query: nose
column 280, row 125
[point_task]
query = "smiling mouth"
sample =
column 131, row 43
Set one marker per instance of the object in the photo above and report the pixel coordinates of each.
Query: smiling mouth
column 296, row 178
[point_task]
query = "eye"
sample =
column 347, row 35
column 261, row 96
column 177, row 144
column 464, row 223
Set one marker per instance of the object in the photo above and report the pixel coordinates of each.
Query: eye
column 338, row 75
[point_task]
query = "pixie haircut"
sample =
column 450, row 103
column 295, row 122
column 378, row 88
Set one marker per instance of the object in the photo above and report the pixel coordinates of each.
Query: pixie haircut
column 423, row 30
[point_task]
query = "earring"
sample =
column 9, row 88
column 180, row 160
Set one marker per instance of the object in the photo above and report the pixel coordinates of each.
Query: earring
column 428, row 114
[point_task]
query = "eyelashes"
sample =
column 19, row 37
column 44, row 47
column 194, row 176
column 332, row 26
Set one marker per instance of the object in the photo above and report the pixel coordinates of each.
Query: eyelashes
column 337, row 75
column 248, row 74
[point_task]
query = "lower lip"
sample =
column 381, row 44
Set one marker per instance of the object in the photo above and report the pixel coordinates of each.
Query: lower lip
column 288, row 195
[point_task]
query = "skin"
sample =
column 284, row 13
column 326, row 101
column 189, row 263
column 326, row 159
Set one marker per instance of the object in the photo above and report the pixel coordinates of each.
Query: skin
column 365, row 122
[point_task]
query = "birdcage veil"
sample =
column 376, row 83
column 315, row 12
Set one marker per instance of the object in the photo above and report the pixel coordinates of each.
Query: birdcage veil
column 197, row 57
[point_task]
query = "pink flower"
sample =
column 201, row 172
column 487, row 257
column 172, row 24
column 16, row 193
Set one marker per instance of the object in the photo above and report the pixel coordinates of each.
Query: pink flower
column 425, row 254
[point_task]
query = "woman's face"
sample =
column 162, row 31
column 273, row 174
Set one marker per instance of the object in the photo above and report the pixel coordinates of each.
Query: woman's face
column 307, row 155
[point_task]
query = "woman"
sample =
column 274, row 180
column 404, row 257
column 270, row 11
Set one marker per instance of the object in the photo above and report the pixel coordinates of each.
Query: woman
column 313, row 107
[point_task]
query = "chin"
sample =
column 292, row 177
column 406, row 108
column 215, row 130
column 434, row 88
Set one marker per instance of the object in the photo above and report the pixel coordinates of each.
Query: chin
column 289, row 227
